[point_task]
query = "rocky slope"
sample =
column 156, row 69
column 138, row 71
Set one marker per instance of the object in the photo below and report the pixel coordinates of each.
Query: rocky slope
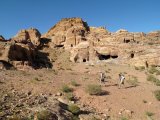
column 85, row 44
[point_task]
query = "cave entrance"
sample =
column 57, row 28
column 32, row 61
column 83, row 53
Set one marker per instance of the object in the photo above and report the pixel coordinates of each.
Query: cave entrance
column 59, row 46
column 114, row 56
column 104, row 57
column 132, row 55
column 126, row 41
column 84, row 60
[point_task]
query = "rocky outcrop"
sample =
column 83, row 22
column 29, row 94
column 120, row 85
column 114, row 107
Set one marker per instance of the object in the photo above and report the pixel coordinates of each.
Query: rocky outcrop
column 22, row 52
column 30, row 35
column 121, row 47
column 84, row 43
column 28, row 106
column 68, row 32
column 16, row 54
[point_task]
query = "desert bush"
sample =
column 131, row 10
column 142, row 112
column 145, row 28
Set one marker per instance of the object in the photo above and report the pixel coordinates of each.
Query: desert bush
column 73, row 108
column 66, row 89
column 157, row 94
column 45, row 115
column 70, row 96
column 153, row 79
column 153, row 70
column 74, row 83
column 141, row 68
column 75, row 117
column 158, row 72
column 133, row 81
column 149, row 114
column 94, row 89
column 144, row 101
column 124, row 118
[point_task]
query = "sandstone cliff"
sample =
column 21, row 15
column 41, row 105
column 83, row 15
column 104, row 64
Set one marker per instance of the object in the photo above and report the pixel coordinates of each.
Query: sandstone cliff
column 85, row 44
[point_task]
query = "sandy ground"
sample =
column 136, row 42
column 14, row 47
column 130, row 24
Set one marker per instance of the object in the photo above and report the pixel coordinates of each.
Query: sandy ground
column 111, row 103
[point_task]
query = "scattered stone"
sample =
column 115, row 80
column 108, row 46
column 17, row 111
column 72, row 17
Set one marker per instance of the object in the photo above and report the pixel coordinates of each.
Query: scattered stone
column 58, row 94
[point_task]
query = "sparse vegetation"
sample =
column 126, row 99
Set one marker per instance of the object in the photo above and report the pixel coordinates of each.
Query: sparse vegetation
column 94, row 89
column 157, row 94
column 133, row 81
column 153, row 79
column 44, row 115
column 124, row 118
column 36, row 80
column 73, row 108
column 65, row 88
column 144, row 101
column 154, row 70
column 70, row 96
column 141, row 68
column 74, row 83
column 149, row 114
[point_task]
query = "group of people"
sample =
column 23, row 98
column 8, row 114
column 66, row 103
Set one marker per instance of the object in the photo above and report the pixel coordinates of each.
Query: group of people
column 120, row 81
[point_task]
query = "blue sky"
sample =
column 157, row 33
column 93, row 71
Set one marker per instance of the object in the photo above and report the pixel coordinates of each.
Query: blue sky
column 133, row 15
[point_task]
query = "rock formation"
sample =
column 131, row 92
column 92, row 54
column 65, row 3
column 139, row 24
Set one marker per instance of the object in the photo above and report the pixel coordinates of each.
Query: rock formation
column 85, row 44
column 30, row 35
column 21, row 51
column 68, row 32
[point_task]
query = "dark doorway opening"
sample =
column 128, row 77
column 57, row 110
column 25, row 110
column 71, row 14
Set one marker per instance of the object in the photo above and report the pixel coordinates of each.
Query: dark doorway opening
column 84, row 60
column 132, row 55
column 104, row 57
column 59, row 46
column 114, row 56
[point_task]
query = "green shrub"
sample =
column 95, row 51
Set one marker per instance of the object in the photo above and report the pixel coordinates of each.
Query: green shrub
column 74, row 83
column 94, row 89
column 158, row 73
column 44, row 115
column 70, row 96
column 149, row 114
column 157, row 94
column 66, row 89
column 141, row 68
column 124, row 118
column 133, row 81
column 157, row 82
column 73, row 108
column 75, row 117
column 144, row 101
column 153, row 70
column 153, row 79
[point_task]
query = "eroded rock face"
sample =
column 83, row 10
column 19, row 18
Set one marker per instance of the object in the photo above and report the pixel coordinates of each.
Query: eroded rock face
column 16, row 54
column 68, row 32
column 85, row 44
column 22, row 55
column 30, row 35
column 121, row 47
